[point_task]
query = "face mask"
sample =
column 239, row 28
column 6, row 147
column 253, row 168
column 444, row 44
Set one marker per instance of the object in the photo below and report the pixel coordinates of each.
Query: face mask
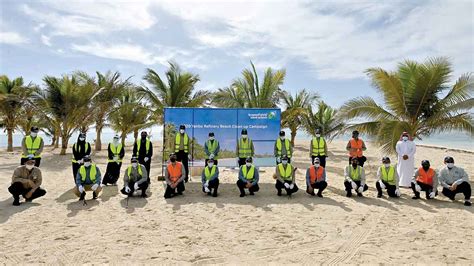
column 284, row 162
column 404, row 138
column 82, row 139
column 426, row 167
column 173, row 160
column 450, row 165
column 211, row 138
column 87, row 164
column 318, row 135
column 354, row 165
column 244, row 136
column 248, row 164
column 34, row 134
column 282, row 138
column 316, row 164
column 143, row 136
column 386, row 165
column 210, row 165
column 134, row 165
column 29, row 166
column 181, row 131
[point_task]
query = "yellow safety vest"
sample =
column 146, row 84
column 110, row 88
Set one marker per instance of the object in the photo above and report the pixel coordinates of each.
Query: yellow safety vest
column 129, row 171
column 147, row 146
column 177, row 142
column 245, row 148
column 32, row 146
column 92, row 173
column 287, row 146
column 208, row 174
column 75, row 148
column 116, row 151
column 388, row 177
column 355, row 174
column 250, row 174
column 212, row 147
column 286, row 174
column 318, row 147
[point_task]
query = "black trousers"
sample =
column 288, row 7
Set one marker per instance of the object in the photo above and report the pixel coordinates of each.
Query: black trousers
column 390, row 189
column 242, row 186
column 424, row 187
column 170, row 192
column 143, row 187
column 213, row 184
column 360, row 159
column 242, row 161
column 207, row 160
column 112, row 173
column 321, row 185
column 322, row 160
column 279, row 186
column 24, row 160
column 464, row 188
column 75, row 168
column 182, row 157
column 17, row 189
column 348, row 186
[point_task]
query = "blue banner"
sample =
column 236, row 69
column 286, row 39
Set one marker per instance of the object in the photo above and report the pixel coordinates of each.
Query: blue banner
column 263, row 126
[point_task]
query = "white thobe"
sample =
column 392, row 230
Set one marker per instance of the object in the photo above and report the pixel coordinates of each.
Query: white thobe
column 406, row 168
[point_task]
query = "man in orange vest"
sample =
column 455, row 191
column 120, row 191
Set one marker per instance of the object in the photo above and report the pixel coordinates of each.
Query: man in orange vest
column 174, row 177
column 356, row 146
column 425, row 179
column 316, row 178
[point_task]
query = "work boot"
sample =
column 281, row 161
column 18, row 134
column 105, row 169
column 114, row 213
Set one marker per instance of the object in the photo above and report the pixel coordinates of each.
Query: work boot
column 320, row 194
column 349, row 194
column 16, row 201
column 251, row 193
column 242, row 194
column 379, row 195
column 279, row 192
column 467, row 203
column 415, row 197
column 94, row 195
column 83, row 195
column 360, row 195
column 144, row 195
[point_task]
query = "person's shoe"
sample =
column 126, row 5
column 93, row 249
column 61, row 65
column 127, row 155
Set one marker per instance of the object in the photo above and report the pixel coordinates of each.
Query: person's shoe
column 186, row 180
column 16, row 201
column 94, row 195
column 452, row 198
column 415, row 197
column 360, row 195
column 279, row 192
column 467, row 203
column 105, row 184
column 83, row 195
column 214, row 194
column 349, row 194
column 242, row 195
column 320, row 194
column 379, row 195
column 179, row 193
column 251, row 193
column 144, row 195
column 114, row 184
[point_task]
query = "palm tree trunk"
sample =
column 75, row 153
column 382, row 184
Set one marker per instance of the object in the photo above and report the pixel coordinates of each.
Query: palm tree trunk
column 57, row 133
column 135, row 134
column 293, row 136
column 64, row 142
column 98, row 140
column 10, row 139
column 123, row 136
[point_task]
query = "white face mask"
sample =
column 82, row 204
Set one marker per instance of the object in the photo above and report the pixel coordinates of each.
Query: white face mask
column 34, row 134
column 211, row 138
column 244, row 136
column 248, row 164
column 116, row 141
column 29, row 166
column 450, row 165
column 386, row 165
column 82, row 139
column 210, row 165
column 134, row 165
column 87, row 164
column 316, row 164
column 284, row 162
column 181, row 131
column 282, row 137
column 318, row 135
column 404, row 138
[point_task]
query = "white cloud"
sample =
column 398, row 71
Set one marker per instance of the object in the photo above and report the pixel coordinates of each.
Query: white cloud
column 45, row 40
column 10, row 37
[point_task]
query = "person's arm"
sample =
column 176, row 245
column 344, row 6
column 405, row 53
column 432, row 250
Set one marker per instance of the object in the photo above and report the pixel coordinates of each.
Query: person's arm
column 16, row 177
column 183, row 173
column 397, row 149
column 347, row 173
column 40, row 149
column 252, row 153
column 291, row 150
column 216, row 174
column 167, row 177
column 348, row 146
column 275, row 149
column 256, row 177
column 379, row 173
column 324, row 174
column 218, row 148
column 23, row 146
column 241, row 175
column 311, row 148
column 237, row 149
column 134, row 148
column 413, row 180
column 362, row 176
column 122, row 152
column 325, row 149
column 363, row 145
column 203, row 176
column 78, row 179
column 144, row 175
column 442, row 178
column 397, row 179
column 88, row 148
column 150, row 152
column 308, row 179
column 413, row 150
column 463, row 178
column 110, row 154
column 278, row 175
column 39, row 178
column 126, row 178
column 75, row 153
column 98, row 176
column 206, row 149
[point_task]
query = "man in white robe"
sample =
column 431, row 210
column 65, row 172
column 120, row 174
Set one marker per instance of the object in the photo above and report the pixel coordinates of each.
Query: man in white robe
column 406, row 149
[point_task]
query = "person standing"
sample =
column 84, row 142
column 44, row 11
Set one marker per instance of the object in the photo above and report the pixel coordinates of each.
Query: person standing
column 454, row 180
column 248, row 178
column 181, row 149
column 32, row 145
column 80, row 149
column 424, row 179
column 245, row 148
column 283, row 148
column 26, row 181
column 318, row 148
column 316, row 178
column 211, row 148
column 210, row 178
column 174, row 177
column 143, row 150
column 405, row 149
column 116, row 152
column 285, row 177
column 387, row 178
column 355, row 178
column 356, row 148
column 135, row 178
column 88, row 179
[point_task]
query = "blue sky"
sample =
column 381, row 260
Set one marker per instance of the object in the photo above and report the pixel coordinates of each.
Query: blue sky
column 325, row 46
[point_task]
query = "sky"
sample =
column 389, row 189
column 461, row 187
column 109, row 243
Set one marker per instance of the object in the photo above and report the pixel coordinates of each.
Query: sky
column 325, row 46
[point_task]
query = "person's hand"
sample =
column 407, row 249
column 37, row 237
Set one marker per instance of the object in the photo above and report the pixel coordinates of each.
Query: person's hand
column 278, row 159
column 287, row 186
column 454, row 186
column 397, row 192
column 354, row 185
column 206, row 189
column 417, row 188
column 382, row 185
column 249, row 184
column 31, row 155
column 81, row 189
column 135, row 186
column 405, row 157
column 115, row 158
column 206, row 183
column 81, row 161
column 432, row 195
column 361, row 189
column 292, row 186
column 127, row 189
column 29, row 194
column 95, row 186
column 146, row 159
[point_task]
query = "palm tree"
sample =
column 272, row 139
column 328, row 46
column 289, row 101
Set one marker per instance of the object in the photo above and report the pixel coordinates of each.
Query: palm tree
column 12, row 92
column 295, row 109
column 130, row 114
column 246, row 92
column 176, row 91
column 325, row 118
column 414, row 102
column 28, row 115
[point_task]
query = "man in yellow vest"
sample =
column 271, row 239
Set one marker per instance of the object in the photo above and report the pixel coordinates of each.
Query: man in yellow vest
column 174, row 177
column 285, row 177
column 80, row 149
column 282, row 148
column 248, row 178
column 181, row 149
column 318, row 148
column 425, row 179
column 387, row 178
column 116, row 152
column 244, row 148
column 32, row 145
column 210, row 178
column 354, row 178
column 143, row 150
column 316, row 178
column 26, row 181
column 211, row 148
column 135, row 178
column 88, row 179
column 356, row 148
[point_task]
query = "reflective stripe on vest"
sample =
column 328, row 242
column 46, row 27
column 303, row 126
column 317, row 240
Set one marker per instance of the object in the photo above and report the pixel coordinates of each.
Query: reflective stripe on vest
column 388, row 177
column 287, row 147
column 147, row 146
column 250, row 174
column 212, row 147
column 355, row 173
column 129, row 171
column 116, row 151
column 92, row 173
column 77, row 148
column 177, row 142
column 174, row 171
column 286, row 174
column 318, row 147
column 316, row 176
column 32, row 146
column 356, row 145
column 245, row 148
column 208, row 174
column 425, row 177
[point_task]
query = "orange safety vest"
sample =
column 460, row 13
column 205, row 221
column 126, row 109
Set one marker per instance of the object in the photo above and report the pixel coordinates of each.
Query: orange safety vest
column 356, row 145
column 425, row 177
column 315, row 176
column 174, row 171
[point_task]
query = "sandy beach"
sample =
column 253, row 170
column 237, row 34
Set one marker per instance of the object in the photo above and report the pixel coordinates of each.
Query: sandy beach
column 263, row 229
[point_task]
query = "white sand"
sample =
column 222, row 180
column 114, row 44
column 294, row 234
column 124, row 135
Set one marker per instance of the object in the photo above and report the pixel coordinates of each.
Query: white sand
column 194, row 228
